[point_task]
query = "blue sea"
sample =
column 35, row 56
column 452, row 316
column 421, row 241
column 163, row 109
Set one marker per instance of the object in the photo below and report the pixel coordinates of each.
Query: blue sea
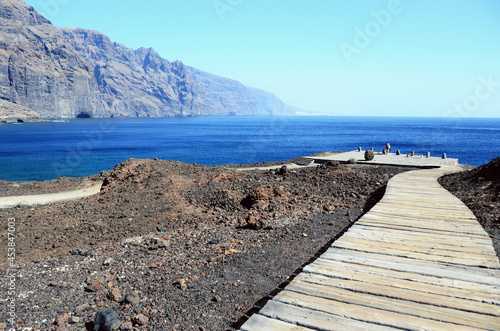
column 41, row 151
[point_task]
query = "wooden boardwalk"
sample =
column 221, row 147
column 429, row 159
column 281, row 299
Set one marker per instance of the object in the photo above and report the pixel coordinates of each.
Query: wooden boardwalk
column 419, row 260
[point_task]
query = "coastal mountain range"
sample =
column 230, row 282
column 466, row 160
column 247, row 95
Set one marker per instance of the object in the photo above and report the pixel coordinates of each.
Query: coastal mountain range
column 48, row 72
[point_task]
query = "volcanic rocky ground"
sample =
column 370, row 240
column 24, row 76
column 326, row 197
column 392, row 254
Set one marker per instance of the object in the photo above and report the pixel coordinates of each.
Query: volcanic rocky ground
column 174, row 246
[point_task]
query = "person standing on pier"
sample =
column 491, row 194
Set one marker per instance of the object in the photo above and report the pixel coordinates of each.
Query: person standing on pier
column 387, row 148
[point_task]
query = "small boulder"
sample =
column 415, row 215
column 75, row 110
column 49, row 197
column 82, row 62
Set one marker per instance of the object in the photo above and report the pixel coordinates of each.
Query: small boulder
column 81, row 308
column 114, row 294
column 132, row 298
column 109, row 261
column 140, row 319
column 95, row 285
column 331, row 164
column 283, row 170
column 106, row 320
column 62, row 319
column 181, row 283
column 253, row 221
column 369, row 155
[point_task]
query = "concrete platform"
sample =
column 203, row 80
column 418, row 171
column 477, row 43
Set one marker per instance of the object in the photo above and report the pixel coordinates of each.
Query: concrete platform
column 417, row 160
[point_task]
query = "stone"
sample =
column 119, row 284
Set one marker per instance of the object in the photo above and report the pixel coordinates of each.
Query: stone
column 108, row 261
column 331, row 164
column 114, row 294
column 283, row 170
column 369, row 155
column 75, row 319
column 182, row 284
column 81, row 308
column 95, row 285
column 140, row 319
column 132, row 298
column 253, row 220
column 444, row 156
column 62, row 319
column 106, row 320
column 126, row 326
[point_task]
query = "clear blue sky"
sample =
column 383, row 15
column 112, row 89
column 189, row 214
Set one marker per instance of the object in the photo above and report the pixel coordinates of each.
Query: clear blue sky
column 364, row 57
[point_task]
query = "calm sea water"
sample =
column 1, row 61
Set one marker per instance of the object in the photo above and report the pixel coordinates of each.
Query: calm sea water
column 39, row 151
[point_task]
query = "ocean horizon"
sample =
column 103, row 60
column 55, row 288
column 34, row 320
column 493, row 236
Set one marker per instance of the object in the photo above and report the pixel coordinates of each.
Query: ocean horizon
column 83, row 147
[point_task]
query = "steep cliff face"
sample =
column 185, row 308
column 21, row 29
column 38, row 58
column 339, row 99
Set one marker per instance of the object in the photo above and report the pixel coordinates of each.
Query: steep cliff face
column 135, row 82
column 39, row 69
column 72, row 72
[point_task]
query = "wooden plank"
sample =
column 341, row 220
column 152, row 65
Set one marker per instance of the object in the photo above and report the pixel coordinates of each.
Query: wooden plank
column 418, row 247
column 415, row 229
column 479, row 275
column 263, row 323
column 461, row 240
column 380, row 294
column 376, row 274
column 417, row 224
column 364, row 313
column 413, row 216
column 428, row 254
column 314, row 318
column 450, row 244
column 443, row 209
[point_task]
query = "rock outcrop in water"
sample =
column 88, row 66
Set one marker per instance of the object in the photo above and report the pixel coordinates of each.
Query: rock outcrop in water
column 54, row 73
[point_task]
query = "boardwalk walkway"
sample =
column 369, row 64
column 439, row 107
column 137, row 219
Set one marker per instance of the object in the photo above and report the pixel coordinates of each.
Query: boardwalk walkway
column 419, row 260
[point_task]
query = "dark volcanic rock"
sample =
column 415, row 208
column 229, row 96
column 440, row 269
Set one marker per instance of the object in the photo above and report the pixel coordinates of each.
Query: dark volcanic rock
column 369, row 155
column 70, row 72
column 106, row 320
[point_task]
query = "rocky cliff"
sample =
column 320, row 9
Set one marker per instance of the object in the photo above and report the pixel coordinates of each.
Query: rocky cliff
column 70, row 72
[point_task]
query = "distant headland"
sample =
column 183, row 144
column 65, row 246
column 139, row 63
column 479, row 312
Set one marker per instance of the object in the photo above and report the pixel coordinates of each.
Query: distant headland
column 47, row 72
